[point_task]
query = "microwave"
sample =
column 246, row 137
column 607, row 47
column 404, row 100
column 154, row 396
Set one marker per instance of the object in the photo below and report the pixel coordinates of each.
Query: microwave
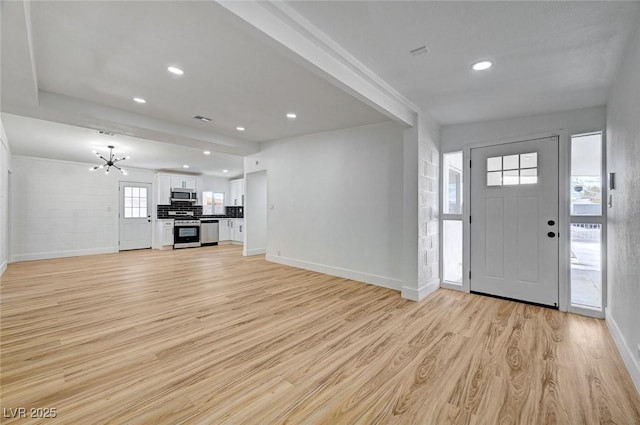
column 183, row 195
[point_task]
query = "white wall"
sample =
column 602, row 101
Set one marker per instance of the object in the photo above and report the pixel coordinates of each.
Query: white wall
column 429, row 212
column 455, row 137
column 623, row 224
column 255, row 213
column 5, row 158
column 337, row 202
column 61, row 209
column 215, row 184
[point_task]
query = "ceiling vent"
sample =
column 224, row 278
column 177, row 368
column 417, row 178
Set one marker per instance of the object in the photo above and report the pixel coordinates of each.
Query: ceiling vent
column 106, row 133
column 203, row 119
column 419, row 50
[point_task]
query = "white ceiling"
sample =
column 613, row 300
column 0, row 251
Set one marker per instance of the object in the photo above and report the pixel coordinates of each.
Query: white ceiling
column 90, row 58
column 69, row 68
column 46, row 139
column 549, row 55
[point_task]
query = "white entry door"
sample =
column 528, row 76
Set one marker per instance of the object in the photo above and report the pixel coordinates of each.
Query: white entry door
column 514, row 220
column 135, row 215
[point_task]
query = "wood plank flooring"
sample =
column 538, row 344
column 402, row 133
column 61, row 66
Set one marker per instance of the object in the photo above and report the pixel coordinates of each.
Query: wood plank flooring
column 206, row 336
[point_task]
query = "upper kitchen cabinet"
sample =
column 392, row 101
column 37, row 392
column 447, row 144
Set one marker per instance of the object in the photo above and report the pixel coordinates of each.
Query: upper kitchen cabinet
column 164, row 189
column 166, row 182
column 236, row 192
column 183, row 182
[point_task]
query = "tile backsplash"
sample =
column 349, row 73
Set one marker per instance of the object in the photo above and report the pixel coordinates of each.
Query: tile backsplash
column 163, row 210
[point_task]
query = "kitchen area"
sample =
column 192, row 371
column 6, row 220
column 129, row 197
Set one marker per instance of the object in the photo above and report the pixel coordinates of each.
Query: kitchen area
column 196, row 211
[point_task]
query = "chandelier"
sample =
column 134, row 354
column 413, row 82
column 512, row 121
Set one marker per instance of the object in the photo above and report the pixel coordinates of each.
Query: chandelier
column 110, row 162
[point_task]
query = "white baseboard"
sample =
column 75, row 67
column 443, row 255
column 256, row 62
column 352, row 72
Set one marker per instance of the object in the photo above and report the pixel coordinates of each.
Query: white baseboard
column 419, row 294
column 3, row 268
column 633, row 366
column 61, row 254
column 256, row 251
column 385, row 282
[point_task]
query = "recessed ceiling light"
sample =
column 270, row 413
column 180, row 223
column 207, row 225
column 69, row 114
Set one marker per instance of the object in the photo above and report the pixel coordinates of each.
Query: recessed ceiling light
column 225, row 171
column 291, row 116
column 206, row 153
column 139, row 100
column 174, row 70
column 240, row 128
column 482, row 65
column 185, row 166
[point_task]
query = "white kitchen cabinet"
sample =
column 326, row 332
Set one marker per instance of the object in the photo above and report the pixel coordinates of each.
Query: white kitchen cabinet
column 224, row 229
column 183, row 182
column 236, row 192
column 238, row 230
column 164, row 189
column 164, row 233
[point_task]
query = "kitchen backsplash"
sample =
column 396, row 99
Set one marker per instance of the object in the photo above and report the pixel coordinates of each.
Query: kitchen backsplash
column 234, row 212
column 163, row 210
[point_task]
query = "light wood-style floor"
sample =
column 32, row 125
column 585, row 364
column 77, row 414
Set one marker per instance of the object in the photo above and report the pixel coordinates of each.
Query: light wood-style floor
column 205, row 336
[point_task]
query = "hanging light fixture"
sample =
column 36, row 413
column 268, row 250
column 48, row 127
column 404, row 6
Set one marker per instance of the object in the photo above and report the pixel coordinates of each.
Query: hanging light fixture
column 111, row 162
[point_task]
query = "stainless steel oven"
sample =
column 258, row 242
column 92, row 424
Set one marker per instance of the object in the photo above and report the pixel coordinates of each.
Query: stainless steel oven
column 186, row 233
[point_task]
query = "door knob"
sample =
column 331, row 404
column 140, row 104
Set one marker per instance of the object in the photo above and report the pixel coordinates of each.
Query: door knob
column 551, row 222
column 551, row 235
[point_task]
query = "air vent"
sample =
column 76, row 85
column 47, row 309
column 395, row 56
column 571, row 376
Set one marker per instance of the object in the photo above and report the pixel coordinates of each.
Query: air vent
column 419, row 50
column 106, row 133
column 203, row 119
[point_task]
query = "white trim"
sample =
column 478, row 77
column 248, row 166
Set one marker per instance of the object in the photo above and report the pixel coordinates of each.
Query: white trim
column 418, row 294
column 3, row 268
column 586, row 311
column 61, row 254
column 564, row 239
column 318, row 52
column 385, row 282
column 256, row 251
column 452, row 286
column 626, row 352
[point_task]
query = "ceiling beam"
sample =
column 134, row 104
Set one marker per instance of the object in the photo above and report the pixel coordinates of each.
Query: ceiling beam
column 19, row 82
column 309, row 46
column 82, row 113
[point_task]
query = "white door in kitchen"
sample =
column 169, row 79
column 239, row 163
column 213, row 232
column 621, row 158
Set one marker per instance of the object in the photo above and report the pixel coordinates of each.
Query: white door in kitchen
column 135, row 215
column 514, row 220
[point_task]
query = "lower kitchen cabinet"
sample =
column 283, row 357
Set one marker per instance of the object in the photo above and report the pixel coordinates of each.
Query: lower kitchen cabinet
column 224, row 229
column 238, row 230
column 164, row 233
column 231, row 230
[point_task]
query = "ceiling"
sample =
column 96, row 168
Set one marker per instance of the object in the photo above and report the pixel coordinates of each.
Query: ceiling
column 47, row 139
column 70, row 68
column 549, row 55
column 97, row 56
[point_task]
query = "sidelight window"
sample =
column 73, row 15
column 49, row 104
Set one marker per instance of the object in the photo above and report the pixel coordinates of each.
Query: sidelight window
column 451, row 241
column 587, row 222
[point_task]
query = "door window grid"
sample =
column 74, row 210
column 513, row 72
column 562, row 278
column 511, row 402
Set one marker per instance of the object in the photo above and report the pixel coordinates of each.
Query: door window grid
column 511, row 170
column 135, row 202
